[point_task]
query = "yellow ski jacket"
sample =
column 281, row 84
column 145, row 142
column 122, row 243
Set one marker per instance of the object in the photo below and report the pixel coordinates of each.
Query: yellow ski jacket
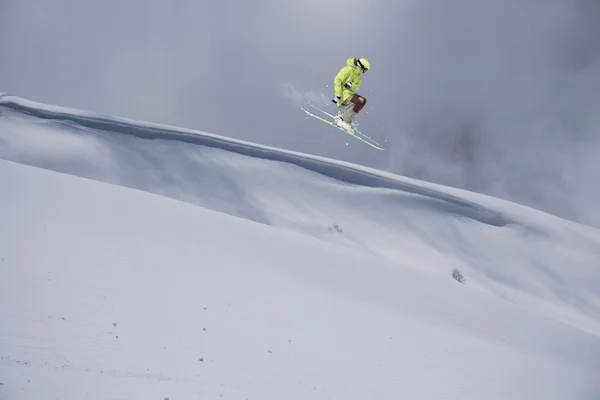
column 349, row 73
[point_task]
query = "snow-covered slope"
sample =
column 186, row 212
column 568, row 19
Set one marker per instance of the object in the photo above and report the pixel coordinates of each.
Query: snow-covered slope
column 112, row 293
column 342, row 290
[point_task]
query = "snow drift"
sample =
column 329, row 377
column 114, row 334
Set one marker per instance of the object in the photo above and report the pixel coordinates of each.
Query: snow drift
column 342, row 290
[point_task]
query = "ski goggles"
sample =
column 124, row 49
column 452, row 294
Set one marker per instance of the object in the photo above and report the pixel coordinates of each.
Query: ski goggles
column 362, row 67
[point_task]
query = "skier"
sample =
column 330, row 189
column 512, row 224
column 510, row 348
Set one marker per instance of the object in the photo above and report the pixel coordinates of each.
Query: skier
column 346, row 85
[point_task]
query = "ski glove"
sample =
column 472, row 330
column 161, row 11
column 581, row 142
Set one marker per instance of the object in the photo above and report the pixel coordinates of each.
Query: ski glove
column 348, row 85
column 337, row 99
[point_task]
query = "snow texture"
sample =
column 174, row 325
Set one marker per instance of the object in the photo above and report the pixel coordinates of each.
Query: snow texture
column 192, row 266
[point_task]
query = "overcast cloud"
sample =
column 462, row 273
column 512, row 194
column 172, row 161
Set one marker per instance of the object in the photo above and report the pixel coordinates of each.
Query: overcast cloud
column 496, row 96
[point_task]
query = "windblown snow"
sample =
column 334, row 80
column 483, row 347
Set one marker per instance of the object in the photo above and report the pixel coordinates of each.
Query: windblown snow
column 140, row 261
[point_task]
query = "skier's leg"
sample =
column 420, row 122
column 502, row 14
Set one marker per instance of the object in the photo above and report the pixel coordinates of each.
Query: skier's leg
column 355, row 103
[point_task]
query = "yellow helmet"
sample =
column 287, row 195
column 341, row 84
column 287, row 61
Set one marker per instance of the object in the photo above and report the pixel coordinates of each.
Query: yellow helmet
column 362, row 63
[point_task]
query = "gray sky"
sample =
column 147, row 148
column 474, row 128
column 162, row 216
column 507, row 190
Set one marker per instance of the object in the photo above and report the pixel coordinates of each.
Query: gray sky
column 496, row 96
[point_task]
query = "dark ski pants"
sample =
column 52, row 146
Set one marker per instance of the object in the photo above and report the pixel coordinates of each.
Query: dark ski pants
column 354, row 104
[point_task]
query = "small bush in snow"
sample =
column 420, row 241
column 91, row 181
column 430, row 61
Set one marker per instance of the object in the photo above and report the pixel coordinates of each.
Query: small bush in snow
column 456, row 274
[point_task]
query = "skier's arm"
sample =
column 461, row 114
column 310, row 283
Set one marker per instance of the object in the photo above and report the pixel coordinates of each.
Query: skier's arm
column 340, row 79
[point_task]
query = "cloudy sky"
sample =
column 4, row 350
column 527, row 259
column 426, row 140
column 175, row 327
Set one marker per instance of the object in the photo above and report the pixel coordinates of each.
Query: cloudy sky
column 496, row 96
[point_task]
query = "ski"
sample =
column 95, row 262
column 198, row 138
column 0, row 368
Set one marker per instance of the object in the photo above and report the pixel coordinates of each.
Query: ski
column 343, row 130
column 333, row 117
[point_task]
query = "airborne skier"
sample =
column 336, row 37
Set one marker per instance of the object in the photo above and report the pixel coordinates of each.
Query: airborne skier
column 346, row 85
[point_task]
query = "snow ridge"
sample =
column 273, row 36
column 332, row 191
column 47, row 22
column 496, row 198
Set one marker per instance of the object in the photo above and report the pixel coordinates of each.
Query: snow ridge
column 344, row 172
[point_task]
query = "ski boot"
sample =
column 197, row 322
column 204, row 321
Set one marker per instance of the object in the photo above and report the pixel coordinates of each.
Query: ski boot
column 343, row 124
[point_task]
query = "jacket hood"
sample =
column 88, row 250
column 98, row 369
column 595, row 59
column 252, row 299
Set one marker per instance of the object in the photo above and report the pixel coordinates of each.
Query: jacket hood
column 350, row 62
